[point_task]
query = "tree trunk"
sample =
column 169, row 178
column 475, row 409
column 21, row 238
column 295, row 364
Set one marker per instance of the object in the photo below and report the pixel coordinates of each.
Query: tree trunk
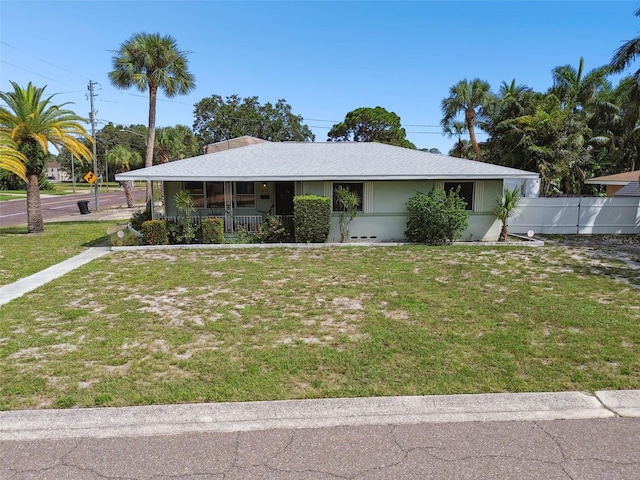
column 470, row 116
column 503, row 233
column 151, row 133
column 35, row 223
column 128, row 192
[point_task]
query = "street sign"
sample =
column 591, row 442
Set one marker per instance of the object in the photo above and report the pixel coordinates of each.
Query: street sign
column 90, row 178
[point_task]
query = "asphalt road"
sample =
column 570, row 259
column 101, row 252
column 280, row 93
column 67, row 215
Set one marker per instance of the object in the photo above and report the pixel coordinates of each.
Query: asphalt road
column 563, row 436
column 14, row 212
column 595, row 449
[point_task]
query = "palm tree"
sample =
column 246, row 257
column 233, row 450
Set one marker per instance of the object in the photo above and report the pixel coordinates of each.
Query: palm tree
column 12, row 159
column 33, row 124
column 626, row 54
column 471, row 98
column 576, row 89
column 504, row 209
column 456, row 129
column 122, row 159
column 172, row 143
column 152, row 62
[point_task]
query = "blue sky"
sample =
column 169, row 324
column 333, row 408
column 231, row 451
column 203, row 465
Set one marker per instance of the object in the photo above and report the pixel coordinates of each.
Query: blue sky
column 325, row 58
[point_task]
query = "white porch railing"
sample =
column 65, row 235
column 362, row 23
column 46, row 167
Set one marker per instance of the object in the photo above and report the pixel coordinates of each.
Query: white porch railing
column 248, row 223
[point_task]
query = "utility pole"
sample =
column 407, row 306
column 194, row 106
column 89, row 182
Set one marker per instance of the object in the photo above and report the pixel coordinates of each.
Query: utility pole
column 92, row 119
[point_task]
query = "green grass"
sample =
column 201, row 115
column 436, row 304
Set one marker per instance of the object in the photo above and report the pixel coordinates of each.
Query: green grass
column 169, row 326
column 22, row 254
column 12, row 194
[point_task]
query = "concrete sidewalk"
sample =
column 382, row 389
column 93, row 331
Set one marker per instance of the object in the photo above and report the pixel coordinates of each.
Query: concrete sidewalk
column 24, row 285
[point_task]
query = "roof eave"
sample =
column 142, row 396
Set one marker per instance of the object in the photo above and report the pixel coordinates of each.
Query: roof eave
column 317, row 178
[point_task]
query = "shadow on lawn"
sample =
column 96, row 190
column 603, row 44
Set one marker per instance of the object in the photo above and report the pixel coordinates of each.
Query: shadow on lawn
column 103, row 240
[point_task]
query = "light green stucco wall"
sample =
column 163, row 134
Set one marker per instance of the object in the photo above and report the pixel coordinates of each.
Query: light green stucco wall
column 385, row 218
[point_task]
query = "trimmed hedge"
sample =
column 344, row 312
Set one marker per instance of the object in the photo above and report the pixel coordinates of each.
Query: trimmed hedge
column 154, row 232
column 311, row 218
column 213, row 230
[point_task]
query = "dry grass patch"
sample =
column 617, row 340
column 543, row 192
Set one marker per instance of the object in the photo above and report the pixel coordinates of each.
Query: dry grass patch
column 221, row 325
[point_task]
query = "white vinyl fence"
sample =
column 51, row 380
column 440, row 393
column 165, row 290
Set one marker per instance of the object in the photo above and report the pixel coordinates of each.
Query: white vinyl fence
column 577, row 215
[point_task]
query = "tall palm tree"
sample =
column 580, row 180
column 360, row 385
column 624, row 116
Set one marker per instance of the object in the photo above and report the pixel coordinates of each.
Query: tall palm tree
column 152, row 62
column 577, row 90
column 470, row 98
column 122, row 159
column 626, row 54
column 33, row 123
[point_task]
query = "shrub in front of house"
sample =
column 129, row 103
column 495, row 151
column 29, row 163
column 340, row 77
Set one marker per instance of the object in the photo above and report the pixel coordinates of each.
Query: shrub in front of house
column 311, row 218
column 154, row 232
column 271, row 230
column 139, row 217
column 213, row 230
column 436, row 217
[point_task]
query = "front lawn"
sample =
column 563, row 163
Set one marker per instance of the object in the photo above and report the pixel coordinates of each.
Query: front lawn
column 169, row 326
column 23, row 254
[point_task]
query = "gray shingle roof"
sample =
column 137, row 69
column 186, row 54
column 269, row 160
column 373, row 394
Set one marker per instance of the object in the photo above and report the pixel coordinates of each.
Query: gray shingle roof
column 631, row 189
column 282, row 161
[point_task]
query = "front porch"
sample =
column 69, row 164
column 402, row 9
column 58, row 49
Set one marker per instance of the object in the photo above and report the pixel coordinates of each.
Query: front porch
column 239, row 223
column 243, row 206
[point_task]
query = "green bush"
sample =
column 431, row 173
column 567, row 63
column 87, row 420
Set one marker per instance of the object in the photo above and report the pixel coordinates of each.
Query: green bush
column 213, row 230
column 154, row 232
column 436, row 217
column 139, row 217
column 271, row 230
column 311, row 218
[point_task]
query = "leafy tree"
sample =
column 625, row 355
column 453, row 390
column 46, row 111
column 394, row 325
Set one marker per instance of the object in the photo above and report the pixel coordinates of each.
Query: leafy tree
column 371, row 125
column 471, row 99
column 553, row 142
column 150, row 62
column 504, row 208
column 122, row 159
column 218, row 119
column 174, row 143
column 34, row 123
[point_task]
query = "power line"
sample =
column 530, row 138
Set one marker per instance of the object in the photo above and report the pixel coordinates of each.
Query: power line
column 43, row 61
column 29, row 71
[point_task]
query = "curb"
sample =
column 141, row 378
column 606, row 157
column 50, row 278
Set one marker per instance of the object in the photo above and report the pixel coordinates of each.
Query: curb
column 299, row 414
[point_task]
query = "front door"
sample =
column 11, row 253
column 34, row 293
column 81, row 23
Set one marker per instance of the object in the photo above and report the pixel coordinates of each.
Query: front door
column 284, row 198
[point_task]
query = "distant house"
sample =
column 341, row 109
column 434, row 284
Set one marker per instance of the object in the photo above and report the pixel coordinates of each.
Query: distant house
column 56, row 173
column 620, row 184
column 258, row 177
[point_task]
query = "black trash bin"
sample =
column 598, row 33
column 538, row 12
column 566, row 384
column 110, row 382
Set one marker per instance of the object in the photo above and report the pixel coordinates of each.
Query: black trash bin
column 83, row 205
